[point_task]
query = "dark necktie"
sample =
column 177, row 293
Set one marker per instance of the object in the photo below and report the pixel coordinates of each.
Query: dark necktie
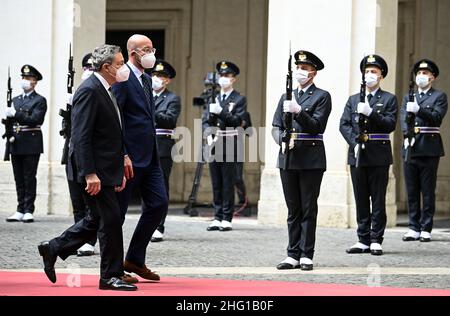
column 300, row 94
column 421, row 95
column 147, row 88
column 369, row 97
column 155, row 97
column 114, row 101
column 224, row 96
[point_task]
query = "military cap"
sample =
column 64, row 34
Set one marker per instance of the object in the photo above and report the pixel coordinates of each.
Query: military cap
column 374, row 60
column 30, row 71
column 305, row 57
column 227, row 67
column 164, row 68
column 426, row 64
column 87, row 61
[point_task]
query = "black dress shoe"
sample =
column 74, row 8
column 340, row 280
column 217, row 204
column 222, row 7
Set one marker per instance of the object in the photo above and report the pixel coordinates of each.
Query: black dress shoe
column 357, row 250
column 156, row 239
column 85, row 253
column 212, row 228
column 376, row 252
column 49, row 259
column 286, row 266
column 423, row 239
column 409, row 238
column 225, row 229
column 116, row 284
column 306, row 267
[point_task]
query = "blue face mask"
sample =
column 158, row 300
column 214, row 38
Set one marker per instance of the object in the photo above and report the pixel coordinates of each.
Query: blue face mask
column 422, row 80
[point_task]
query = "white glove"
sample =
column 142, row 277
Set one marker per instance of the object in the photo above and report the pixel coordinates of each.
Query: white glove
column 291, row 106
column 69, row 98
column 412, row 106
column 215, row 108
column 10, row 112
column 364, row 108
column 406, row 142
column 356, row 149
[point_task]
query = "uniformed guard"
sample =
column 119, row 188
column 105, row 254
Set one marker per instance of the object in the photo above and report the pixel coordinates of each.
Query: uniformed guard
column 429, row 108
column 28, row 113
column 80, row 208
column 377, row 116
column 167, row 110
column 302, row 174
column 224, row 114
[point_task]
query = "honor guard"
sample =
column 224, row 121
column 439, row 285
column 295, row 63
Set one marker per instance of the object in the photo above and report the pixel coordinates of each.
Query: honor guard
column 28, row 113
column 366, row 127
column 220, row 120
column 167, row 110
column 302, row 172
column 428, row 108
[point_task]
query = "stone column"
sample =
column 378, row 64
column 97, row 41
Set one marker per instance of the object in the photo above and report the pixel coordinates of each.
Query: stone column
column 340, row 35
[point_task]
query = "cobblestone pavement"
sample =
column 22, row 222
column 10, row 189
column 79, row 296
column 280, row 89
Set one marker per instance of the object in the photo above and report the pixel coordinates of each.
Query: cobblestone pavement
column 188, row 245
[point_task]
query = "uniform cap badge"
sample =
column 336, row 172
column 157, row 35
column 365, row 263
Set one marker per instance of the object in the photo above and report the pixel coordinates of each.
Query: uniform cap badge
column 159, row 67
column 371, row 59
column 223, row 65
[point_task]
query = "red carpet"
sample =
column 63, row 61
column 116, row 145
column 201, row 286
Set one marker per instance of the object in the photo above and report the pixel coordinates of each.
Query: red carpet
column 36, row 284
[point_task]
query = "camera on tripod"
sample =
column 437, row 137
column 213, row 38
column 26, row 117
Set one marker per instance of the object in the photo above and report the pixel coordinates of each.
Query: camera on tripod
column 211, row 86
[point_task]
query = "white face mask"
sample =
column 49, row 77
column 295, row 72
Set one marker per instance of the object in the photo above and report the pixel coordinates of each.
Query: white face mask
column 86, row 74
column 25, row 84
column 122, row 74
column 157, row 83
column 225, row 82
column 422, row 81
column 148, row 60
column 371, row 79
column 302, row 76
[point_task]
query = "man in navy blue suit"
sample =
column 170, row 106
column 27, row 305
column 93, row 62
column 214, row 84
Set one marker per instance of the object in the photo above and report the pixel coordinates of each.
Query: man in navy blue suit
column 142, row 168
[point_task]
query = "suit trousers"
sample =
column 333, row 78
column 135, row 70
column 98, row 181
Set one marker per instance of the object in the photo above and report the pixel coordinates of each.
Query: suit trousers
column 420, row 178
column 25, row 169
column 370, row 183
column 301, row 190
column 150, row 181
column 104, row 221
column 80, row 208
column 166, row 167
column 223, row 178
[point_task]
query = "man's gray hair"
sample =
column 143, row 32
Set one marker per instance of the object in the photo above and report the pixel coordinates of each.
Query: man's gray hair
column 104, row 54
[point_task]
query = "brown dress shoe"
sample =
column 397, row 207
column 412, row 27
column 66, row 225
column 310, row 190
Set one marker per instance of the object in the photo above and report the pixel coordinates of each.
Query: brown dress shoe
column 143, row 272
column 129, row 279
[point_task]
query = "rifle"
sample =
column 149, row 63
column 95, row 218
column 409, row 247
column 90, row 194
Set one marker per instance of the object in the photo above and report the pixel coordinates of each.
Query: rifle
column 287, row 117
column 9, row 121
column 410, row 119
column 362, row 119
column 66, row 122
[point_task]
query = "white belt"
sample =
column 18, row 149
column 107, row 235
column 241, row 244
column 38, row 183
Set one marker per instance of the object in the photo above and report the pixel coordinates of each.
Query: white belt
column 227, row 133
column 24, row 128
column 166, row 132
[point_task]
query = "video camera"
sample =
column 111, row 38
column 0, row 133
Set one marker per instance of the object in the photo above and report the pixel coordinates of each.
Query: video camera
column 211, row 88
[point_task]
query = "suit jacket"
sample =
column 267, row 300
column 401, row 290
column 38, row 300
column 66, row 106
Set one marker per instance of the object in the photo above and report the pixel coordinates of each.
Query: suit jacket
column 312, row 119
column 233, row 110
column 433, row 107
column 30, row 112
column 382, row 120
column 167, row 110
column 96, row 143
column 139, row 121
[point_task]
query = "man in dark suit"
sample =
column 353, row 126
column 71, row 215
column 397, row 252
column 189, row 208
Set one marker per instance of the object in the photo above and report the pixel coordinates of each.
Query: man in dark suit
column 301, row 180
column 370, row 178
column 80, row 208
column 429, row 108
column 220, row 120
column 28, row 112
column 167, row 110
column 142, row 167
column 96, row 162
